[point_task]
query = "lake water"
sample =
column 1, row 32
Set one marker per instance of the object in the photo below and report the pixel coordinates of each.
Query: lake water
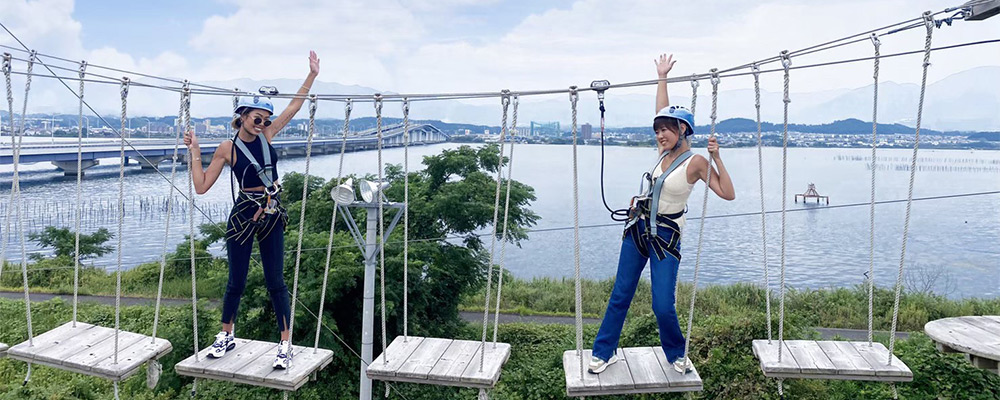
column 952, row 245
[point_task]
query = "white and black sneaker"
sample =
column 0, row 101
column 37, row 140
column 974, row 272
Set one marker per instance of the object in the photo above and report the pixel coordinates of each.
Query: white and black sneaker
column 224, row 341
column 598, row 365
column 283, row 360
column 683, row 365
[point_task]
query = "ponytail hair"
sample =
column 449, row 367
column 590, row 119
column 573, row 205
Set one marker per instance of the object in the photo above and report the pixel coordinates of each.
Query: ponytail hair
column 237, row 122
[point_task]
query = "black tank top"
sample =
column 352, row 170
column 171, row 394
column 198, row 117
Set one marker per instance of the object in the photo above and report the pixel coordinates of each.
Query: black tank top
column 244, row 171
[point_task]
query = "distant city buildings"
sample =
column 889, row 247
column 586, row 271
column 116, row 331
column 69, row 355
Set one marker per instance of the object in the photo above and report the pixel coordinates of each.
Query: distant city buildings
column 586, row 132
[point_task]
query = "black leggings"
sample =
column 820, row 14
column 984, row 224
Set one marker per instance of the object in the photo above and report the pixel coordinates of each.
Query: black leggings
column 271, row 243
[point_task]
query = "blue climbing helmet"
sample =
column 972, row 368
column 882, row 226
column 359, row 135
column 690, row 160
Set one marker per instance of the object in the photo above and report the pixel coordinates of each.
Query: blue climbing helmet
column 679, row 113
column 258, row 102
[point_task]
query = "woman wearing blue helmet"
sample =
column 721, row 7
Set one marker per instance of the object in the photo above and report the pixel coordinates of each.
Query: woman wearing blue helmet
column 653, row 231
column 257, row 212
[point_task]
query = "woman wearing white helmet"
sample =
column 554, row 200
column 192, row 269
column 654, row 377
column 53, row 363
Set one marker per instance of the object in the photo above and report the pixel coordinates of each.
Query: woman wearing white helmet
column 257, row 212
column 668, row 185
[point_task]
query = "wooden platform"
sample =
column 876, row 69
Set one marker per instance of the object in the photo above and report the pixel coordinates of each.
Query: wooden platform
column 89, row 349
column 251, row 363
column 444, row 362
column 3, row 350
column 638, row 370
column 977, row 337
column 838, row 360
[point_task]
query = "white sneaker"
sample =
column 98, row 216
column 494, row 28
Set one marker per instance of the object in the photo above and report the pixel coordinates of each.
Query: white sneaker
column 683, row 365
column 283, row 360
column 224, row 341
column 598, row 365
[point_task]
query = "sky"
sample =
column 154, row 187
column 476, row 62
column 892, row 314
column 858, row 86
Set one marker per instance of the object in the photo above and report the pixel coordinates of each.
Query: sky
column 419, row 46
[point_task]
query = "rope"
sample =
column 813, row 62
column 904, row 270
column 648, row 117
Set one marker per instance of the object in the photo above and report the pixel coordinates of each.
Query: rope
column 16, row 188
column 406, row 219
column 504, row 102
column 694, row 104
column 871, row 232
column 5, row 235
column 573, row 98
column 79, row 195
column 786, row 62
column 302, row 218
column 333, row 223
column 121, row 218
column 704, row 209
column 506, row 213
column 763, row 216
column 929, row 21
column 170, row 204
column 186, row 126
column 381, row 221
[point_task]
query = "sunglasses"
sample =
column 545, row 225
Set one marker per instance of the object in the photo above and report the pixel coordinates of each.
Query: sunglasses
column 258, row 120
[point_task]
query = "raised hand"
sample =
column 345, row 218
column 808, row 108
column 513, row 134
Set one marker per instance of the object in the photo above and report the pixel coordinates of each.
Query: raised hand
column 664, row 64
column 313, row 63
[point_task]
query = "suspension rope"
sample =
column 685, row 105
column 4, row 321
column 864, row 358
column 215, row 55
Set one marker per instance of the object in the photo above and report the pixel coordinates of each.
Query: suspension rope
column 121, row 217
column 302, row 219
column 786, row 63
column 79, row 194
column 694, row 104
column 170, row 203
column 333, row 223
column 871, row 212
column 506, row 214
column 16, row 188
column 381, row 220
column 186, row 127
column 929, row 22
column 406, row 219
column 704, row 209
column 573, row 99
column 763, row 217
column 5, row 235
column 505, row 103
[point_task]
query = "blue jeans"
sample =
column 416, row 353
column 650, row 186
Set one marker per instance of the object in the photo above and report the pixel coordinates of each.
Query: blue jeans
column 270, row 236
column 637, row 248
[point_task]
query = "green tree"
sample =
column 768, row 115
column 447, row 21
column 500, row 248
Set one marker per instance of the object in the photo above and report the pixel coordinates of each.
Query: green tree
column 63, row 241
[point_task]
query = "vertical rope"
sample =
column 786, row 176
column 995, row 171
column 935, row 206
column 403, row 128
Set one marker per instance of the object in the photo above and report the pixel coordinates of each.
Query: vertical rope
column 704, row 209
column 506, row 213
column 871, row 209
column 381, row 220
column 170, row 206
column 763, row 214
column 406, row 219
column 121, row 216
column 504, row 102
column 929, row 23
column 79, row 195
column 333, row 223
column 186, row 127
column 573, row 98
column 16, row 188
column 5, row 235
column 302, row 220
column 694, row 103
column 786, row 63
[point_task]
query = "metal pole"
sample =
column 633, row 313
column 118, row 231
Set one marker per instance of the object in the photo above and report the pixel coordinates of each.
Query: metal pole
column 368, row 315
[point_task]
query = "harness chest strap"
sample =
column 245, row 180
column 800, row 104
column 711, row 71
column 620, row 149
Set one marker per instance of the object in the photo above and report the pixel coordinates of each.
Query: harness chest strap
column 654, row 203
column 262, row 173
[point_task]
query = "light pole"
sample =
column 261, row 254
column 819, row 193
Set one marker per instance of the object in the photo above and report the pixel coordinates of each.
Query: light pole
column 371, row 193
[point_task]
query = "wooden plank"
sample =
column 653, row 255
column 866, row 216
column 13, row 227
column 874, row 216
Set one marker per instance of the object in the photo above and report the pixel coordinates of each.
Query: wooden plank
column 237, row 358
column 3, row 349
column 453, row 362
column 767, row 353
column 987, row 324
column 983, row 363
column 423, row 359
column 496, row 356
column 810, row 357
column 259, row 367
column 617, row 377
column 132, row 357
column 27, row 350
column 964, row 337
column 878, row 355
column 645, row 368
column 846, row 359
column 304, row 363
column 690, row 381
column 399, row 350
column 87, row 359
column 575, row 384
column 191, row 366
column 57, row 352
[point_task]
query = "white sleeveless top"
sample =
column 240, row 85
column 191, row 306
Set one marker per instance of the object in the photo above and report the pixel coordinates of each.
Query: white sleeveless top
column 675, row 191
